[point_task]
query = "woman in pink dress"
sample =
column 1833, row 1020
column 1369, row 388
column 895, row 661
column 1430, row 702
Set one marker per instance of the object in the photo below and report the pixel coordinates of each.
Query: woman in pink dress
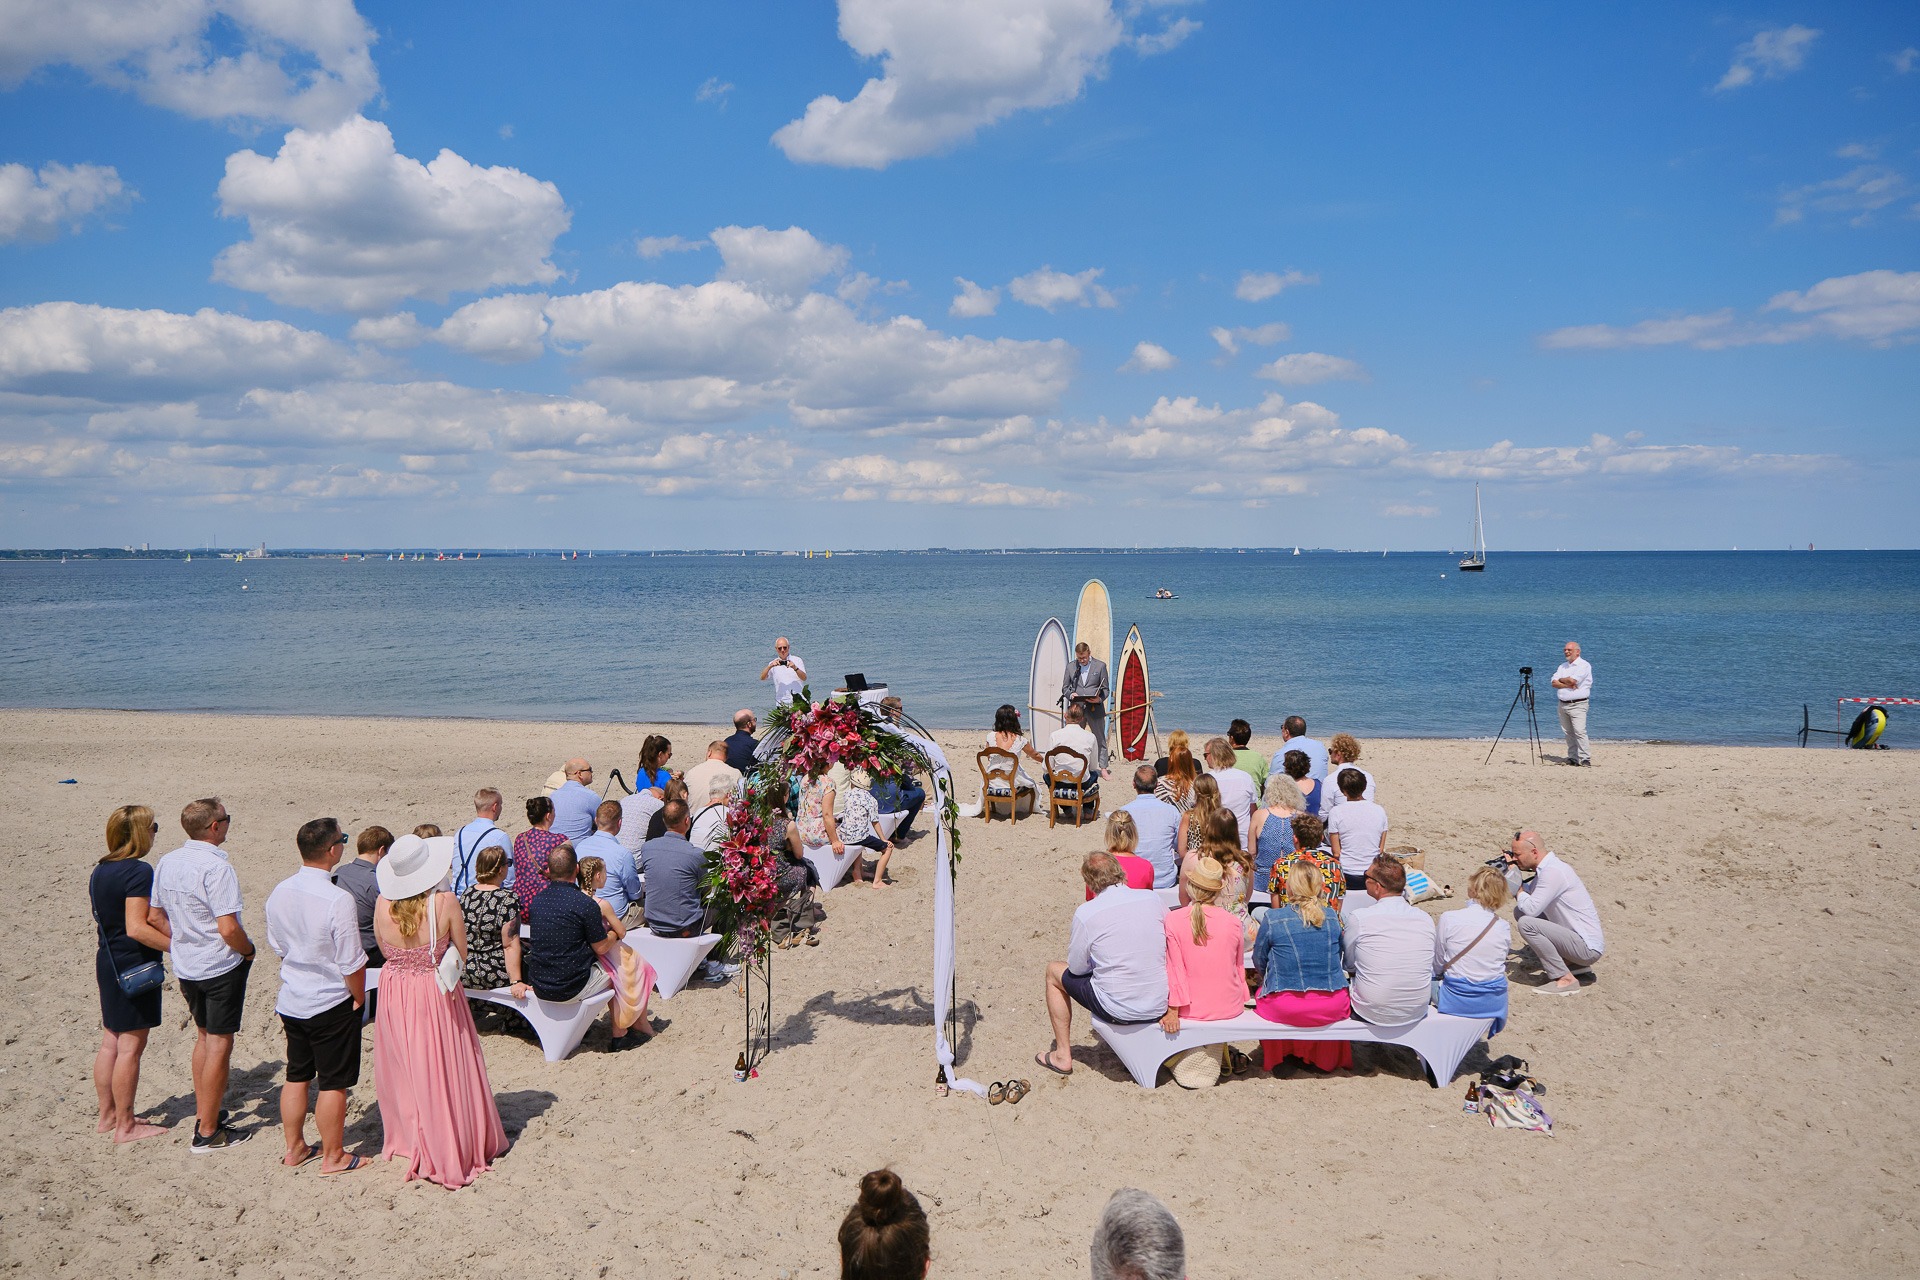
column 436, row 1103
column 530, row 850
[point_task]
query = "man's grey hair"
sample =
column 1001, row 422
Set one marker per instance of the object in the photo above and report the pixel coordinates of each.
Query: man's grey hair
column 1137, row 1239
column 719, row 787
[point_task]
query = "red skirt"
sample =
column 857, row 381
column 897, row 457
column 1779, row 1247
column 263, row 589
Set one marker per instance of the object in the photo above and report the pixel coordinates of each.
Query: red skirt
column 1306, row 1009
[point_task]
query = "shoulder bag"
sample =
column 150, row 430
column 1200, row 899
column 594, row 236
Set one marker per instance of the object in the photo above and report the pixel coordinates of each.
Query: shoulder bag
column 1470, row 946
column 447, row 973
column 146, row 976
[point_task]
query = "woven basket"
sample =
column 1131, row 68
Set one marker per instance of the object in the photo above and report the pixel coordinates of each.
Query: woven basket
column 1199, row 1068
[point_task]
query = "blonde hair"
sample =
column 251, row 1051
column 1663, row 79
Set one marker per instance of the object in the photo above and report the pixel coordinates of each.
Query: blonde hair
column 410, row 913
column 490, row 864
column 589, row 870
column 1306, row 893
column 1488, row 888
column 427, row 830
column 1283, row 793
column 129, row 833
column 1206, row 798
column 1346, row 746
column 1203, row 897
column 1122, row 834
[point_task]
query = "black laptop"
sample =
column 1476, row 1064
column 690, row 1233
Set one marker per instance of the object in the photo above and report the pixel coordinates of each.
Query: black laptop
column 856, row 683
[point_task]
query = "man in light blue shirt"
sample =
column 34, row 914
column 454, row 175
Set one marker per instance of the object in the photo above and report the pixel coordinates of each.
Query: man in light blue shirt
column 622, row 888
column 574, row 802
column 1158, row 824
column 484, row 830
column 1293, row 737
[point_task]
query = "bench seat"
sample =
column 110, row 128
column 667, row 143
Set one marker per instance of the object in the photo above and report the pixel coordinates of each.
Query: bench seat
column 1441, row 1040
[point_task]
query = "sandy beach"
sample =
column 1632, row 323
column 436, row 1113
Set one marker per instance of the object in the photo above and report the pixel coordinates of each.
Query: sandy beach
column 1735, row 1096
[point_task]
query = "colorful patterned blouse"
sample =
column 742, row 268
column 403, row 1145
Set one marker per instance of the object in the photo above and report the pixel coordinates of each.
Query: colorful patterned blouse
column 488, row 912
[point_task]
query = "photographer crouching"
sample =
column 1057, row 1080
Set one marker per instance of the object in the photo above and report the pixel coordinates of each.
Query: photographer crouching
column 1554, row 911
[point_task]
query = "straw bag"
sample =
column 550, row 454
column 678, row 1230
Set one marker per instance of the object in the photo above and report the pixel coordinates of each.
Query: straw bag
column 1199, row 1068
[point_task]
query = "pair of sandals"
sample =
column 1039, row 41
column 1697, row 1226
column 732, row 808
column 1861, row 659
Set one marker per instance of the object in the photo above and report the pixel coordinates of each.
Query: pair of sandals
column 1008, row 1091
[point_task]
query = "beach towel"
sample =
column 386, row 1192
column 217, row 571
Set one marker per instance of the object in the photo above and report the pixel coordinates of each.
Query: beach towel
column 1514, row 1109
column 1474, row 1000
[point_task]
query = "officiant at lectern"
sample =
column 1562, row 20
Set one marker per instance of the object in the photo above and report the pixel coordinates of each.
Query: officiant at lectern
column 1086, row 688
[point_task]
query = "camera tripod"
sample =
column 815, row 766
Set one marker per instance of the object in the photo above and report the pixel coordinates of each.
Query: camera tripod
column 1523, row 696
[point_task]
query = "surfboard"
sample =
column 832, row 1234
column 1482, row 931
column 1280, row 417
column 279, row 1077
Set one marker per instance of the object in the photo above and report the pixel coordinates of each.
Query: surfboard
column 1046, row 681
column 1093, row 621
column 1133, row 697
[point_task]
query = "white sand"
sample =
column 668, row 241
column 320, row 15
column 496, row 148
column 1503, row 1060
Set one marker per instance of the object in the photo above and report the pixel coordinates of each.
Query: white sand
column 1736, row 1095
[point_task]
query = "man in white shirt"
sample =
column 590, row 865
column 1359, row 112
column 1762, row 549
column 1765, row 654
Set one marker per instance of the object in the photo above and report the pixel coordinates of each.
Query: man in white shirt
column 788, row 671
column 1555, row 913
column 314, row 929
column 1572, row 685
column 1389, row 950
column 196, row 900
column 1116, row 965
column 709, row 830
column 1158, row 825
column 1237, row 795
column 574, row 803
column 701, row 776
column 484, row 830
column 1357, row 829
column 1074, row 734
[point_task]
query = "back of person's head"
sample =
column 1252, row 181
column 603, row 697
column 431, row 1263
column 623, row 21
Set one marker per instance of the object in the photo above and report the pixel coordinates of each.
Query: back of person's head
column 129, row 833
column 1239, row 733
column 1306, row 889
column 676, row 789
column 1220, row 837
column 1101, row 871
column 1145, row 780
column 427, row 830
column 884, row 1236
column 1390, row 873
column 1206, row 796
column 490, row 866
column 1488, row 888
column 1282, row 793
column 1076, row 714
column 719, row 787
column 562, row 862
column 1309, row 832
column 674, row 813
column 716, row 750
column 654, row 747
column 1296, row 765
column 1122, row 835
column 1137, row 1239
column 1353, row 783
column 539, row 809
column 485, row 798
column 1344, row 747
column 1181, row 770
column 316, row 838
column 1294, row 727
column 1204, row 882
column 741, row 719
column 198, row 817
column 373, row 840
column 607, row 816
column 588, row 872
column 1006, row 719
column 1219, row 753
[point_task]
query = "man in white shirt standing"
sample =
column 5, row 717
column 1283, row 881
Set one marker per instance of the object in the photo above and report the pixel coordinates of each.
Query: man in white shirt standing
column 196, row 900
column 1389, row 950
column 1555, row 913
column 1573, row 685
column 1116, row 965
column 1237, row 795
column 788, row 671
column 314, row 929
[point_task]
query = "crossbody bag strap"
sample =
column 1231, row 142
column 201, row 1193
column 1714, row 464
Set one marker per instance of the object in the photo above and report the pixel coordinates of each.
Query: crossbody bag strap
column 100, row 926
column 1470, row 946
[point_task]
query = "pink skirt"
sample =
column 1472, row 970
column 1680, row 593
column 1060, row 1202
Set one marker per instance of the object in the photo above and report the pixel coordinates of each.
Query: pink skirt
column 1306, row 1009
column 436, row 1103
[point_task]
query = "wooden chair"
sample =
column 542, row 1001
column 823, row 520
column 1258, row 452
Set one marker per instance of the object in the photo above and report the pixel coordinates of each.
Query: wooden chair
column 999, row 768
column 1071, row 786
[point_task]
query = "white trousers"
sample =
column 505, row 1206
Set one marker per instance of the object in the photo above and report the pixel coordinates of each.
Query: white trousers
column 1573, row 723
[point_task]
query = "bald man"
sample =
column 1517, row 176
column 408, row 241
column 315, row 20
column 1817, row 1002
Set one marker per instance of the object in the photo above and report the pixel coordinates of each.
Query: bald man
column 788, row 671
column 741, row 743
column 574, row 802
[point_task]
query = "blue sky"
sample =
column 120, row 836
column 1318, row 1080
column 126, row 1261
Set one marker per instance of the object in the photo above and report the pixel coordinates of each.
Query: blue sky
column 1009, row 272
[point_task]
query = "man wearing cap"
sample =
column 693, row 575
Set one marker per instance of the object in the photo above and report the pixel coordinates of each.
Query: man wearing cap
column 788, row 671
column 574, row 802
column 313, row 926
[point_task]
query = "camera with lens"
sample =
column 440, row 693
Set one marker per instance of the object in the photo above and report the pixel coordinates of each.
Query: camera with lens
column 1526, row 671
column 1501, row 862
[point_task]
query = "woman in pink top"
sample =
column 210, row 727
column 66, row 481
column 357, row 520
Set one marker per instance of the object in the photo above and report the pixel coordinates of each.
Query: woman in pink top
column 1205, row 978
column 1122, row 839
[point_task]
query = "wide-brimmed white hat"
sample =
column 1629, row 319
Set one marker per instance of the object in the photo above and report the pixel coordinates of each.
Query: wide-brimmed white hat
column 413, row 866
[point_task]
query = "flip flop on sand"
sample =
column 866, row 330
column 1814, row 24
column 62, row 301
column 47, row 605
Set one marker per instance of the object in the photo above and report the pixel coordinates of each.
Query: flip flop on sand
column 353, row 1163
column 1041, row 1059
column 312, row 1154
column 997, row 1092
column 1017, row 1089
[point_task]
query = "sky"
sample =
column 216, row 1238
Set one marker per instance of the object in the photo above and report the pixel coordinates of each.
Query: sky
column 907, row 273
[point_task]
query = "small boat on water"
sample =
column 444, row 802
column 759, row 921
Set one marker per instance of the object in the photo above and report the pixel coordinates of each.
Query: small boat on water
column 1476, row 561
column 1163, row 594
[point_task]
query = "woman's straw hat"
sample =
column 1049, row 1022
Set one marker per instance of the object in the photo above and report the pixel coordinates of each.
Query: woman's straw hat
column 413, row 866
column 1207, row 874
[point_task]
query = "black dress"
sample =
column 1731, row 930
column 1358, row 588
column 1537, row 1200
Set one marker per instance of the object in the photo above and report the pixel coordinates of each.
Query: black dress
column 110, row 887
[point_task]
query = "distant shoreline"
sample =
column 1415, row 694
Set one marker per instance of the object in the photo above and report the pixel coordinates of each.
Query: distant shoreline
column 431, row 553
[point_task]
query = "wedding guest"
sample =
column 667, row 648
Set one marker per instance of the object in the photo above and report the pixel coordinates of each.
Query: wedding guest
column 1220, row 841
column 1343, row 752
column 121, row 891
column 1303, row 980
column 427, row 830
column 741, row 744
column 430, row 1077
column 313, row 925
column 1273, row 839
column 1357, row 829
column 1388, row 949
column 709, row 829
column 482, row 833
column 701, row 777
column 357, row 877
column 1206, row 977
column 196, row 902
column 652, row 771
column 818, row 823
column 1470, row 953
column 622, row 887
column 632, row 977
column 1251, row 762
column 1295, row 765
column 1237, row 791
column 884, row 1235
column 1116, row 965
column 1137, row 1239
column 676, row 789
column 1311, row 835
column 492, row 914
column 574, row 802
column 1157, row 823
column 530, row 850
column 1206, row 800
column 860, row 824
column 676, row 876
column 1293, row 737
column 1177, row 771
column 1123, row 838
column 637, row 813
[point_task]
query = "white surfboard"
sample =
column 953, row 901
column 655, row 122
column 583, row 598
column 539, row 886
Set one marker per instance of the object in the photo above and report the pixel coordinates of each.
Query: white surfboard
column 1046, row 682
column 1093, row 622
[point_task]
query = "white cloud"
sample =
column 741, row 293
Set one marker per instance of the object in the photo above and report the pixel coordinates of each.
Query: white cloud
column 38, row 206
column 860, row 287
column 1856, row 195
column 876, row 477
column 401, row 331
column 1408, row 511
column 506, row 330
column 1878, row 307
column 948, row 70
column 1149, row 357
column 783, row 263
column 342, row 222
column 1905, row 60
column 1768, row 56
column 1165, row 40
column 972, row 301
column 651, row 247
column 1304, row 368
column 1602, row 456
column 713, row 89
column 302, row 62
column 1050, row 290
column 1258, row 286
column 1257, row 336
column 62, row 458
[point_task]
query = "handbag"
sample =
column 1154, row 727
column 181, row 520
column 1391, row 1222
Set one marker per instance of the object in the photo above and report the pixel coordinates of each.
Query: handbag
column 447, row 973
column 146, row 976
column 1470, row 946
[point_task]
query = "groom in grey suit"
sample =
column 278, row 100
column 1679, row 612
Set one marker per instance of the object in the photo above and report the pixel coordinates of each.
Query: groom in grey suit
column 1087, row 689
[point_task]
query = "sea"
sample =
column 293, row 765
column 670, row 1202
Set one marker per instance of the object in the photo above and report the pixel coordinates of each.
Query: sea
column 1712, row 647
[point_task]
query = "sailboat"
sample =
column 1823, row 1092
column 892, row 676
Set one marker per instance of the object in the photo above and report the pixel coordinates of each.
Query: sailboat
column 1478, row 559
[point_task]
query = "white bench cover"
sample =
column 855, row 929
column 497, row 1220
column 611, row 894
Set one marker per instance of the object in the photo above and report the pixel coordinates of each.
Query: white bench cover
column 561, row 1025
column 673, row 959
column 1441, row 1039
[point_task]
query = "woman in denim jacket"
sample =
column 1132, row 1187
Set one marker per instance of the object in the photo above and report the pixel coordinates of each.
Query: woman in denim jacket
column 1303, row 980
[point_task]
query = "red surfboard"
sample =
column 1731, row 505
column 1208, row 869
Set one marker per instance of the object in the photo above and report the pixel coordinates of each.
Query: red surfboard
column 1133, row 703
